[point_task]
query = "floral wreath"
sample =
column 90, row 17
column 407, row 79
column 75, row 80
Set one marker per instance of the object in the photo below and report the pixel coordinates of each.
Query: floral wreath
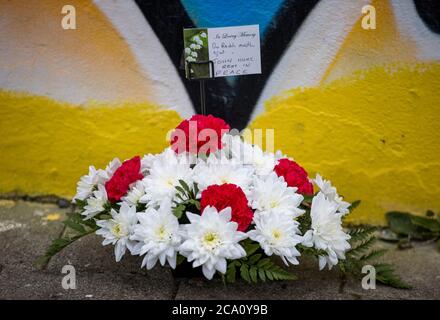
column 231, row 209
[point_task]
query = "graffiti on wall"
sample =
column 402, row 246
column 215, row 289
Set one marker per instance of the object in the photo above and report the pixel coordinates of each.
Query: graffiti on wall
column 360, row 105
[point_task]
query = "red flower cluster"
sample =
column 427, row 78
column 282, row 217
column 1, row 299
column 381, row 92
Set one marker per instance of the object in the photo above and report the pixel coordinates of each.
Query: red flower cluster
column 195, row 135
column 295, row 176
column 229, row 195
column 125, row 175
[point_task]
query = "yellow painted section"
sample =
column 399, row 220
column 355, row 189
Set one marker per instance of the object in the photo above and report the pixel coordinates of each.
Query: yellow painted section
column 375, row 135
column 52, row 217
column 363, row 49
column 46, row 146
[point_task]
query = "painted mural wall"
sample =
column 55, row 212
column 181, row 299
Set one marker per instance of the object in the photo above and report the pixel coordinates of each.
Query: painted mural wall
column 361, row 106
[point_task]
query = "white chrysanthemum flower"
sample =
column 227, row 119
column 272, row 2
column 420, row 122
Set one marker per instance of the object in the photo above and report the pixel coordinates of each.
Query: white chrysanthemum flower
column 89, row 182
column 136, row 192
column 220, row 170
column 277, row 234
column 86, row 184
column 106, row 174
column 326, row 231
column 146, row 163
column 117, row 231
column 159, row 236
column 96, row 203
column 248, row 154
column 183, row 158
column 164, row 176
column 210, row 239
column 331, row 193
column 279, row 155
column 271, row 194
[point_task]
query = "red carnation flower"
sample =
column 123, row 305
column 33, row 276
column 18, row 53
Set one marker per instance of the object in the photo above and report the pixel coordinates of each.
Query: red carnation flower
column 229, row 195
column 125, row 175
column 192, row 135
column 295, row 176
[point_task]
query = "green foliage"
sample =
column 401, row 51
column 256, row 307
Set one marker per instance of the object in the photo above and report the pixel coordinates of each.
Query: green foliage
column 415, row 227
column 255, row 267
column 355, row 204
column 361, row 254
column 310, row 251
column 305, row 222
column 427, row 223
column 407, row 226
column 180, row 259
column 78, row 227
column 385, row 274
column 80, row 204
column 186, row 199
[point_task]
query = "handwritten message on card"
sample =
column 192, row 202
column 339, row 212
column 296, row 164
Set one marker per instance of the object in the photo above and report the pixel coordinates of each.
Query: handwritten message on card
column 233, row 51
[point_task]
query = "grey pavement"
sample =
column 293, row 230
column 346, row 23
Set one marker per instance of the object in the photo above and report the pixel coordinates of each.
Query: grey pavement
column 27, row 228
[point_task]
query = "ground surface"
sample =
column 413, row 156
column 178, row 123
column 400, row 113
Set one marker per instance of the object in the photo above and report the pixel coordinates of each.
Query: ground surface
column 27, row 228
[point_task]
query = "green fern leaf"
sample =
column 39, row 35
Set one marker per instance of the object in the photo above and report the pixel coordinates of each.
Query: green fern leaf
column 244, row 272
column 374, row 254
column 361, row 234
column 385, row 275
column 362, row 247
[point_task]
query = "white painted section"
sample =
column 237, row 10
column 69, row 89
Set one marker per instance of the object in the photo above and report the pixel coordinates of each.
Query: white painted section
column 152, row 57
column 412, row 27
column 313, row 48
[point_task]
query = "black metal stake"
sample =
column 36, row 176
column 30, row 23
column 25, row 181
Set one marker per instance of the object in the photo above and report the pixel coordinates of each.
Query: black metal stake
column 202, row 97
column 201, row 82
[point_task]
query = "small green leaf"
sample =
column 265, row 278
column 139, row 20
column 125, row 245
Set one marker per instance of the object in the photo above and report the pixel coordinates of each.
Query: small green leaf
column 373, row 255
column 196, row 189
column 261, row 274
column 185, row 186
column 264, row 263
column 250, row 247
column 401, row 223
column 385, row 274
column 244, row 272
column 180, row 259
column 180, row 189
column 253, row 259
column 427, row 223
column 269, row 275
column 56, row 246
column 362, row 247
column 178, row 211
column 179, row 196
column 74, row 225
column 231, row 272
column 253, row 274
column 355, row 204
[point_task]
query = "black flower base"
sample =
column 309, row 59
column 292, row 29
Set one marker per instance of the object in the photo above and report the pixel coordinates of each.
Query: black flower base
column 186, row 270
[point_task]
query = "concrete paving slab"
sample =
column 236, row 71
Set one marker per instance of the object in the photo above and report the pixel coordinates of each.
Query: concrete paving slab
column 27, row 228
